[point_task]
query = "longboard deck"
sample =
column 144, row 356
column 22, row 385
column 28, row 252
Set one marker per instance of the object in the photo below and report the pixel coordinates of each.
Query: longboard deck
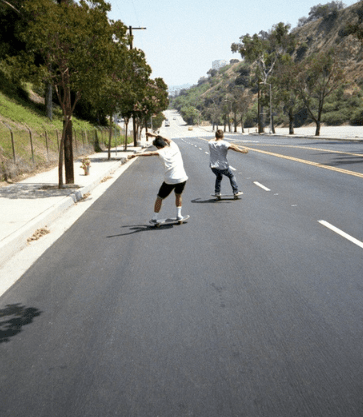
column 227, row 196
column 169, row 221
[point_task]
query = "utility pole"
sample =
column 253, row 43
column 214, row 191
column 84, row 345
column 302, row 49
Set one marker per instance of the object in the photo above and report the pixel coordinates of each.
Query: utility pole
column 133, row 114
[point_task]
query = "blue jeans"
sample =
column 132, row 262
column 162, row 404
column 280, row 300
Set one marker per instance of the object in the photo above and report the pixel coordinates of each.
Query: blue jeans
column 219, row 176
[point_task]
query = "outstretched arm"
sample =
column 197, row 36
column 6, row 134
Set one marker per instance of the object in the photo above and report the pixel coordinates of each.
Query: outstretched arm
column 153, row 153
column 153, row 135
column 237, row 149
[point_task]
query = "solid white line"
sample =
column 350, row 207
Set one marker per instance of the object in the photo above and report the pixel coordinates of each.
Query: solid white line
column 261, row 186
column 341, row 233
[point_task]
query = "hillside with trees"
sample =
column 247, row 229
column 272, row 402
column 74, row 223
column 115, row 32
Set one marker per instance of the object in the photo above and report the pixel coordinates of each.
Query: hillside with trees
column 78, row 63
column 311, row 74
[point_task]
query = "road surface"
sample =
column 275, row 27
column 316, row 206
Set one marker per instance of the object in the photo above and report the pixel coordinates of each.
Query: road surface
column 251, row 308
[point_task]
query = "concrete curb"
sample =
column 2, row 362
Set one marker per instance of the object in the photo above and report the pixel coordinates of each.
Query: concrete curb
column 18, row 240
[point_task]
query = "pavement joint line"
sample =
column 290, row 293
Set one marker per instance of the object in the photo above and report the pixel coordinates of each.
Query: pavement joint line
column 341, row 233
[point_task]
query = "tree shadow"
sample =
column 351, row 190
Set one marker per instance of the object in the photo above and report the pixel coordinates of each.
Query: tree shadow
column 347, row 160
column 35, row 190
column 12, row 319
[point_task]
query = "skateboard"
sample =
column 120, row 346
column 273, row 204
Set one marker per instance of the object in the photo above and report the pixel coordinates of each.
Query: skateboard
column 173, row 220
column 228, row 196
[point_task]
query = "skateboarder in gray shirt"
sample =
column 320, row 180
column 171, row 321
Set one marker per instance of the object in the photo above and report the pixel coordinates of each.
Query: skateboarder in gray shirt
column 218, row 149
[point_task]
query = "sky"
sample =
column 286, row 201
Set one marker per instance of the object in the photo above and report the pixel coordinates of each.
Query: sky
column 183, row 37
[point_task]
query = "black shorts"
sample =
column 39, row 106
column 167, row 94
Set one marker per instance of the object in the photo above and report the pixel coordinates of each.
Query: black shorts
column 166, row 189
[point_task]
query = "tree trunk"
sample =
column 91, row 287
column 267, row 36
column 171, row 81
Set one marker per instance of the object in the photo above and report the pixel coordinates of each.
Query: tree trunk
column 49, row 101
column 68, row 152
column 242, row 127
column 60, row 161
column 126, row 125
column 317, row 131
column 291, row 121
column 134, row 129
column 110, row 139
column 272, row 124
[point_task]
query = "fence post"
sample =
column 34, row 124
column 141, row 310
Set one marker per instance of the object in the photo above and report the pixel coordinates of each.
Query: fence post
column 31, row 144
column 75, row 139
column 12, row 141
column 46, row 143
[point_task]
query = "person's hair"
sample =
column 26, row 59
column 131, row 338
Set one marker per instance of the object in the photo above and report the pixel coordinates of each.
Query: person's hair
column 219, row 134
column 159, row 142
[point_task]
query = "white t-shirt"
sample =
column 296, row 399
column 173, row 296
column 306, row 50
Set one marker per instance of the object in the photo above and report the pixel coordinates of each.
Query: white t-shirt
column 218, row 154
column 174, row 168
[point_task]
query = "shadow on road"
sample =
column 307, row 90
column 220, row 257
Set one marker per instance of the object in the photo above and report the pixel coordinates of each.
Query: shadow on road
column 141, row 228
column 12, row 319
column 210, row 201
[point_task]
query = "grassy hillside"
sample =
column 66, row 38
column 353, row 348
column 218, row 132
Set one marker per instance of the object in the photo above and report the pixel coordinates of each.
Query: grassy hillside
column 28, row 134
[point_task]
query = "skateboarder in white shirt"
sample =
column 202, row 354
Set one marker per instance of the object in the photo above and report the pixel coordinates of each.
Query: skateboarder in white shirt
column 218, row 149
column 175, row 176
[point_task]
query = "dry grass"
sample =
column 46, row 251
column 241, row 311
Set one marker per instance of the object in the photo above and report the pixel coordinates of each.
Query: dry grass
column 38, row 234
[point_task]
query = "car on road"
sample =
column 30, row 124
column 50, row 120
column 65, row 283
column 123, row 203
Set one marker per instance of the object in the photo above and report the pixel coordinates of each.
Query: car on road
column 167, row 123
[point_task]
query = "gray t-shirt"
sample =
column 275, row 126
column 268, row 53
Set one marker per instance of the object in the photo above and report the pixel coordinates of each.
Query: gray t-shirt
column 218, row 153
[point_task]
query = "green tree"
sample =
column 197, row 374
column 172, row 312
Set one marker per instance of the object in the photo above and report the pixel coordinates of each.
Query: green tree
column 285, row 86
column 355, row 27
column 73, row 40
column 317, row 77
column 154, row 101
column 264, row 50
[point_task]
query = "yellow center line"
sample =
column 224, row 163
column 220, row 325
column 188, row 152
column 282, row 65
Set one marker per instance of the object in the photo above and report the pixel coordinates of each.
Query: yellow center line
column 313, row 149
column 304, row 161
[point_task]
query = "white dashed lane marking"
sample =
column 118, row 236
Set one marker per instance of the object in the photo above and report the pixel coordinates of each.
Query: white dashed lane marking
column 341, row 233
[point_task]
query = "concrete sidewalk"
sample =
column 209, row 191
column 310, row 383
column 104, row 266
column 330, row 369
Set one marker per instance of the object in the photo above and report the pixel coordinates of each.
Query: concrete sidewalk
column 33, row 204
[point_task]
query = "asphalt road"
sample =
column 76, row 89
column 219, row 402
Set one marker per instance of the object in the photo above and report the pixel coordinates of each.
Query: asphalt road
column 251, row 308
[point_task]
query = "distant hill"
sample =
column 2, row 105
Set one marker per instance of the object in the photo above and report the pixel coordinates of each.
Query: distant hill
column 344, row 107
column 175, row 89
column 327, row 33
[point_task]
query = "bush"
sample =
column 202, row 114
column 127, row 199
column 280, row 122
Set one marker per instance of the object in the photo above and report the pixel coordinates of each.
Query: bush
column 335, row 118
column 356, row 118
